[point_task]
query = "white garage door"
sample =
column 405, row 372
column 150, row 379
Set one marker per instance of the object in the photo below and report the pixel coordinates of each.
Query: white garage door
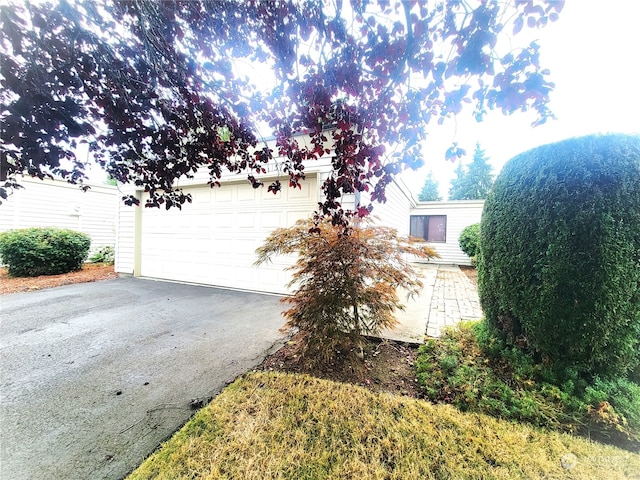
column 213, row 240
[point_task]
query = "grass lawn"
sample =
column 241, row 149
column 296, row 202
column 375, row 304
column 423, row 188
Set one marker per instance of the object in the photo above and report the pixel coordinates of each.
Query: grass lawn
column 278, row 425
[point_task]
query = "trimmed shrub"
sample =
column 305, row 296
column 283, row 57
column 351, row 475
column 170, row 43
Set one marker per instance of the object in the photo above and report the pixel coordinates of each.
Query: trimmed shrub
column 469, row 240
column 43, row 251
column 559, row 265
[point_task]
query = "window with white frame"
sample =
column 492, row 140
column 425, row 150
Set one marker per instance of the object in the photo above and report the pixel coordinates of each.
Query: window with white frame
column 432, row 228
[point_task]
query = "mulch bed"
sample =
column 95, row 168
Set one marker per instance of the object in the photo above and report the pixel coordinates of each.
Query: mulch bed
column 388, row 367
column 471, row 273
column 91, row 272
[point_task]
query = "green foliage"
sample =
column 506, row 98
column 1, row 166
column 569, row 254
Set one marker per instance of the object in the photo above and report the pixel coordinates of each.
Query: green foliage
column 456, row 191
column 469, row 240
column 345, row 282
column 475, row 371
column 429, row 192
column 104, row 255
column 622, row 394
column 43, row 251
column 109, row 180
column 559, row 265
column 474, row 182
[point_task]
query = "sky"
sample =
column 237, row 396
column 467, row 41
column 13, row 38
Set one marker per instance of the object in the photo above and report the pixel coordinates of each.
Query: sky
column 593, row 52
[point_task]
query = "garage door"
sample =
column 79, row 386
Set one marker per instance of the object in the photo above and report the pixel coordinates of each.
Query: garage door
column 213, row 240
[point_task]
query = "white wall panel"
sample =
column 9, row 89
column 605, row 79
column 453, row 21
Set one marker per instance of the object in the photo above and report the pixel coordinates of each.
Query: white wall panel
column 56, row 203
column 460, row 214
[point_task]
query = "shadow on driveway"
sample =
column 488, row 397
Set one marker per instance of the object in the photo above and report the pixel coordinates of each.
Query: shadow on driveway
column 95, row 375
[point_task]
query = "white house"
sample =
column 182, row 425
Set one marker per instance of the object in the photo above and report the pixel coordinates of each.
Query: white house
column 440, row 223
column 213, row 240
column 56, row 203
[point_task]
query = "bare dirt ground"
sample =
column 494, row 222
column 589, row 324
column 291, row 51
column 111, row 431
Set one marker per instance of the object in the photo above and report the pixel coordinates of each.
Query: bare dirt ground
column 91, row 272
column 471, row 273
column 388, row 366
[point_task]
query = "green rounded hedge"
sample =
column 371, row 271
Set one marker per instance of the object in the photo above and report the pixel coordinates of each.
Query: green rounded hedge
column 559, row 266
column 43, row 251
column 469, row 240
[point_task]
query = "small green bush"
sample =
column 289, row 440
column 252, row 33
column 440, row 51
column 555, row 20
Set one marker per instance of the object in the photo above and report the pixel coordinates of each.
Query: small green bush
column 104, row 255
column 469, row 240
column 43, row 251
column 473, row 370
column 559, row 263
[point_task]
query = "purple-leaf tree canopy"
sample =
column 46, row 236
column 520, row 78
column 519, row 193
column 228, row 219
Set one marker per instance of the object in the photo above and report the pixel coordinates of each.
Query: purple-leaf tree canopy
column 154, row 89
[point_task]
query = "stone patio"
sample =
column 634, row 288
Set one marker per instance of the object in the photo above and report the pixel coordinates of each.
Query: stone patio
column 447, row 297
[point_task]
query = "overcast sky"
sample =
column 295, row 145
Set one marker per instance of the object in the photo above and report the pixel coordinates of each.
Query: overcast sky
column 593, row 52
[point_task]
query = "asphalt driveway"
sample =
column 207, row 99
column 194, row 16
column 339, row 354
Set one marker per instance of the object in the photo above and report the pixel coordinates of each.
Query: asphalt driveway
column 94, row 376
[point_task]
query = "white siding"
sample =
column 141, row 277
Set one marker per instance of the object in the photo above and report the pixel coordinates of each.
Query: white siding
column 395, row 211
column 56, row 203
column 460, row 214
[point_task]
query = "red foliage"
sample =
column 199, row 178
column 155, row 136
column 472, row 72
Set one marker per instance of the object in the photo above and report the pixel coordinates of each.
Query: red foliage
column 152, row 87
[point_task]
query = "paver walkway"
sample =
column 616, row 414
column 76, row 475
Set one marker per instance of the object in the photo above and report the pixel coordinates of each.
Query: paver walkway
column 447, row 297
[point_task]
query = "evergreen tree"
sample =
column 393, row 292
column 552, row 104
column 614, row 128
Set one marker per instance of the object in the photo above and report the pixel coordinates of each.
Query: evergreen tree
column 474, row 182
column 456, row 191
column 429, row 192
column 479, row 176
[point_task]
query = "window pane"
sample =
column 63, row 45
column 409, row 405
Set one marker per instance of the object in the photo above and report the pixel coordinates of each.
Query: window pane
column 417, row 227
column 437, row 228
column 432, row 228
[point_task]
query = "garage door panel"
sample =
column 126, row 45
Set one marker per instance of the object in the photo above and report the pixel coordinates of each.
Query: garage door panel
column 221, row 220
column 270, row 197
column 213, row 240
column 200, row 221
column 246, row 220
column 183, row 221
column 223, row 195
column 300, row 193
column 201, row 195
column 246, row 193
column 222, row 247
column 294, row 215
column 272, row 220
column 200, row 246
column 246, row 247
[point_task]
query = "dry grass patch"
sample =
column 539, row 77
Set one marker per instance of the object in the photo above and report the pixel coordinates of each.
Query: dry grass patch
column 275, row 425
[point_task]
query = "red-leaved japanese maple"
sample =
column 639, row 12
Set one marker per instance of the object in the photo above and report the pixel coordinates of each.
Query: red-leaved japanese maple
column 345, row 283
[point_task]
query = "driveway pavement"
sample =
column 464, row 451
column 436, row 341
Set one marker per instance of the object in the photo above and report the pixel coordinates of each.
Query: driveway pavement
column 94, row 376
